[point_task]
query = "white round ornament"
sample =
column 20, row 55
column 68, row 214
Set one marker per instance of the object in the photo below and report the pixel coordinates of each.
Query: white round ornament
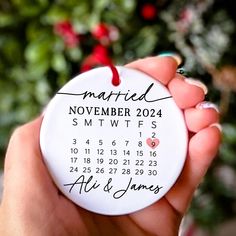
column 111, row 149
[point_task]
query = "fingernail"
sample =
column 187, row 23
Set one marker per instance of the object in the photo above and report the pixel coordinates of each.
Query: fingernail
column 175, row 56
column 217, row 125
column 197, row 83
column 207, row 105
column 183, row 71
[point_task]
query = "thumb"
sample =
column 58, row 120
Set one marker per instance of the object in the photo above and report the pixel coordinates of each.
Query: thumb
column 25, row 173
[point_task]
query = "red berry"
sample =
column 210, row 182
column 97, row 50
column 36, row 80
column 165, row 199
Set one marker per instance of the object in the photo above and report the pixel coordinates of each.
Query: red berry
column 101, row 31
column 66, row 31
column 148, row 11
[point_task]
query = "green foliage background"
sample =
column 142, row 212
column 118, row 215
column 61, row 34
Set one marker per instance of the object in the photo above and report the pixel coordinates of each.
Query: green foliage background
column 35, row 63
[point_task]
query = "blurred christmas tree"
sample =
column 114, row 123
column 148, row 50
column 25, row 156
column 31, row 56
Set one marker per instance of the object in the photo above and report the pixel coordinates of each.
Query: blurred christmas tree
column 45, row 43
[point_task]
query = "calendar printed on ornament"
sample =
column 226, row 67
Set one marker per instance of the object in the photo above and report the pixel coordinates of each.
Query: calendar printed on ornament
column 111, row 149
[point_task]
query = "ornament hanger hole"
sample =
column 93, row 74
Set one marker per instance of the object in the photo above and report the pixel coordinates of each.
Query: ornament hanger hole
column 115, row 76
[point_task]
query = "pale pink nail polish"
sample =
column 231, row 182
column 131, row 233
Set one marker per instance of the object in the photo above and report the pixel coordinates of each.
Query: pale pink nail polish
column 197, row 83
column 217, row 125
column 207, row 105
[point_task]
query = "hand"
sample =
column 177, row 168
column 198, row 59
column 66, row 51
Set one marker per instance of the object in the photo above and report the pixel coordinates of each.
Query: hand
column 32, row 204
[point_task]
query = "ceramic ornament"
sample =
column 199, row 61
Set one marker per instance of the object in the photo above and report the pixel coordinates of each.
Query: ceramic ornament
column 114, row 146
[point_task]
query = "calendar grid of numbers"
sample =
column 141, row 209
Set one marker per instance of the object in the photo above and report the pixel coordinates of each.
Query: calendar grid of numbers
column 89, row 156
column 114, row 149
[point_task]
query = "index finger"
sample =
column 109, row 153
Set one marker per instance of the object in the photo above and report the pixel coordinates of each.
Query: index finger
column 161, row 68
